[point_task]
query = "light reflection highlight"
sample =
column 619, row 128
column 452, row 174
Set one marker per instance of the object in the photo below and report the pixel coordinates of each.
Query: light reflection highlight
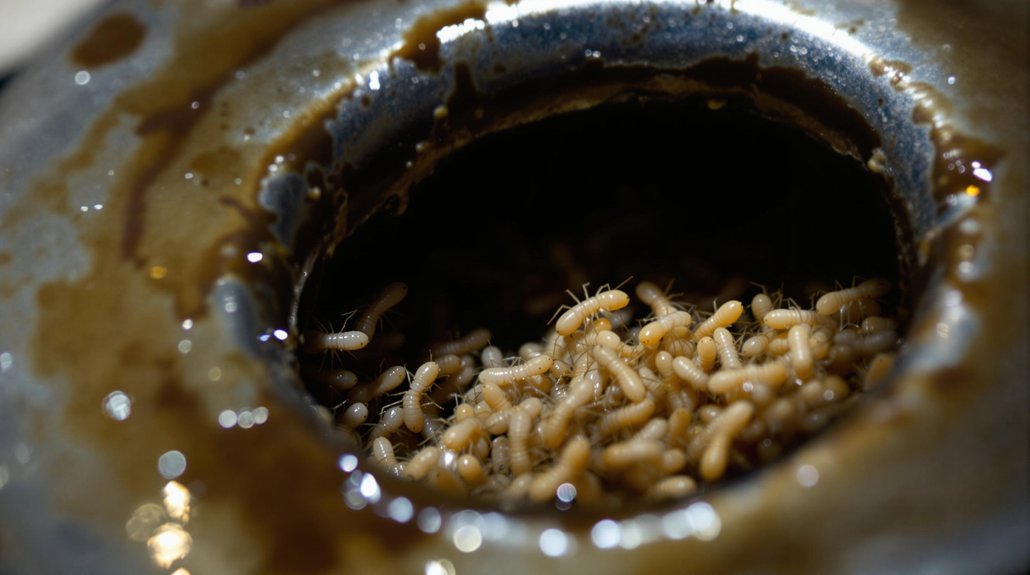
column 554, row 542
column 440, row 567
column 144, row 520
column 807, row 475
column 429, row 520
column 169, row 544
column 468, row 539
column 171, row 464
column 606, row 534
column 177, row 501
column 118, row 406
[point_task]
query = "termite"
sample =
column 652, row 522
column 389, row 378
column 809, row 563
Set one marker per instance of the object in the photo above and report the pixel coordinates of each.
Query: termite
column 878, row 369
column 830, row 303
column 422, row 463
column 355, row 415
column 628, row 379
column 655, row 298
column 787, row 318
column 520, row 425
column 389, row 380
column 492, row 356
column 556, row 424
column 651, row 334
column 573, row 460
column 470, row 469
column 707, row 351
column 800, row 351
column 390, row 296
column 724, row 316
column 621, row 455
column 420, row 383
column 538, row 365
column 625, row 417
column 761, row 304
column 873, row 324
column 754, row 346
column 573, row 318
column 462, row 434
column 726, row 347
column 316, row 342
column 389, row 422
column 382, row 453
column 675, row 487
column 725, row 427
column 339, row 379
column 476, row 340
column 772, row 373
column 690, row 373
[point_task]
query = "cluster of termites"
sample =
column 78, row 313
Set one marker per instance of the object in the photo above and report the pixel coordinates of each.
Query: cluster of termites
column 607, row 404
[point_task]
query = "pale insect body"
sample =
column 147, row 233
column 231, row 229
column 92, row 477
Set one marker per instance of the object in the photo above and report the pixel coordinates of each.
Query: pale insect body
column 538, row 365
column 492, row 356
column 476, row 340
column 707, row 352
column 470, row 469
column 382, row 453
column 787, row 318
column 412, row 402
column 651, row 334
column 761, row 304
column 573, row 318
column 690, row 373
column 725, row 427
column 677, row 342
column 675, row 487
column 556, row 424
column 389, row 422
column 315, row 342
column 390, row 296
column 573, row 460
column 422, row 463
column 655, row 298
column 873, row 324
column 754, row 346
column 856, row 311
column 772, row 373
column 621, row 455
column 724, row 316
column 462, row 434
column 612, row 341
column 520, row 425
column 800, row 351
column 625, row 417
column 628, row 379
column 830, row 303
column 339, row 379
column 355, row 415
column 389, row 380
column 726, row 348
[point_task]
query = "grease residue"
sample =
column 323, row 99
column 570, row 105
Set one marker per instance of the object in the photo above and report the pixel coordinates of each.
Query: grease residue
column 421, row 45
column 116, row 37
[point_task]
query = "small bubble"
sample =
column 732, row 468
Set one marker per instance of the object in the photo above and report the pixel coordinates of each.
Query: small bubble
column 187, row 324
column 260, row 415
column 245, row 419
column 118, row 406
column 171, row 464
column 401, row 510
column 606, row 534
column 227, row 418
column 554, row 542
column 468, row 539
column 185, row 346
column 82, row 77
column 6, row 361
column 807, row 475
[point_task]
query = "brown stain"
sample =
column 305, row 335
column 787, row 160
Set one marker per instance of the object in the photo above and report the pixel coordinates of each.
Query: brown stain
column 116, row 37
column 6, row 258
column 421, row 45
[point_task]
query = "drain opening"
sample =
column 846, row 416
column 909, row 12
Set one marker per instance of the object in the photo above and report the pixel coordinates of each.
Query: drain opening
column 701, row 196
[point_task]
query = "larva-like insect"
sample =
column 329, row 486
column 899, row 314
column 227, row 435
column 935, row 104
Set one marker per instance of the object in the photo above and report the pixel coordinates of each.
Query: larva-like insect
column 555, row 426
column 787, row 318
column 625, row 417
column 678, row 342
column 761, row 304
column 679, row 421
column 389, row 380
column 830, row 303
column 725, row 316
column 339, row 379
column 654, row 385
column 476, row 340
column 389, row 422
column 621, row 455
column 800, row 351
column 390, row 296
column 538, row 365
column 873, row 324
column 422, row 463
column 673, row 460
column 675, row 487
column 573, row 318
column 857, row 310
column 655, row 429
column 355, row 415
column 754, row 346
column 655, row 298
column 878, row 369
column 628, row 379
column 470, row 469
column 725, row 427
column 573, row 460
column 707, row 352
column 382, row 453
column 612, row 341
column 689, row 372
column 772, row 373
column 492, row 356
column 316, row 342
column 651, row 334
column 520, row 425
column 460, row 435
column 726, row 347
column 420, row 383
